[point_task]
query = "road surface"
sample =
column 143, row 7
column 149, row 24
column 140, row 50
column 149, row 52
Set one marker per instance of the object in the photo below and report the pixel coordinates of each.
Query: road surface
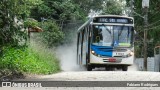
column 73, row 73
column 97, row 75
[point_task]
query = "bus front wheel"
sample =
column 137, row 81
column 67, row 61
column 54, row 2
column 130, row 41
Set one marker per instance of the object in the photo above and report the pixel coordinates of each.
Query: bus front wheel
column 89, row 68
column 124, row 68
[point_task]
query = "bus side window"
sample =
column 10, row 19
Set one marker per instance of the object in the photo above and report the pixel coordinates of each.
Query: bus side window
column 79, row 48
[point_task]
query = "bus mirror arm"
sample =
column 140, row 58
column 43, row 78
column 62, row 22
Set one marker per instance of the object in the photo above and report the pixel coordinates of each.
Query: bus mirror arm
column 97, row 38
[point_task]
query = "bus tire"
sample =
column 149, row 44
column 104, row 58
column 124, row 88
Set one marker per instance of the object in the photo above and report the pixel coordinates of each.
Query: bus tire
column 89, row 68
column 108, row 68
column 124, row 68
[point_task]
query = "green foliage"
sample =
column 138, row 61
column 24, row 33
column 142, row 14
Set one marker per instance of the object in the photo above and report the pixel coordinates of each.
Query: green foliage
column 51, row 35
column 12, row 14
column 29, row 60
column 87, row 5
column 69, row 11
column 30, row 23
column 153, row 26
column 113, row 7
column 44, row 11
column 58, row 10
column 106, row 6
column 154, row 22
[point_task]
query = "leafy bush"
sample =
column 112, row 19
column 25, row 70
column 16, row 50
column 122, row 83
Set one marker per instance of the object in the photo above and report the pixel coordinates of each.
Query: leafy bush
column 30, row 23
column 12, row 15
column 28, row 60
column 51, row 35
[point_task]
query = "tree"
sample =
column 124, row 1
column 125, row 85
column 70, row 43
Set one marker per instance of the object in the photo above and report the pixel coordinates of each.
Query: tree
column 153, row 26
column 52, row 35
column 114, row 7
column 104, row 6
column 87, row 5
column 12, row 15
column 56, row 9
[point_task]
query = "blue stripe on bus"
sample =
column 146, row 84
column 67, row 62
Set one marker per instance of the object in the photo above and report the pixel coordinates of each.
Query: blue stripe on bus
column 103, row 50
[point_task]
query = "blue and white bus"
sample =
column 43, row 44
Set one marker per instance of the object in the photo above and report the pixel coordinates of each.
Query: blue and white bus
column 106, row 41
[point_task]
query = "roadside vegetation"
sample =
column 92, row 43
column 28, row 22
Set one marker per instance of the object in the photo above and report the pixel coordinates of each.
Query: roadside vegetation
column 37, row 60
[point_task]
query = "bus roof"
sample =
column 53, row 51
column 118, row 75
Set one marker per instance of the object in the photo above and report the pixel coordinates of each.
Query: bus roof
column 113, row 16
column 90, row 20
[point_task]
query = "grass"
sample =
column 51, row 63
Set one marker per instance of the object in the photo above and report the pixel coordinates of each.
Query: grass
column 34, row 59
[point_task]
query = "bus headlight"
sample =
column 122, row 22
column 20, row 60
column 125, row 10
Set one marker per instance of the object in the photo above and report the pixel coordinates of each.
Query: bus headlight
column 93, row 52
column 131, row 53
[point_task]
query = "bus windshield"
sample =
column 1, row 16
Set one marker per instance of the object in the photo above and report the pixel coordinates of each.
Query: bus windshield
column 112, row 35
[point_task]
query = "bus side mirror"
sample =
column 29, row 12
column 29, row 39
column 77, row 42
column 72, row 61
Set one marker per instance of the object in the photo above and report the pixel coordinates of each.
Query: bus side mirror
column 135, row 33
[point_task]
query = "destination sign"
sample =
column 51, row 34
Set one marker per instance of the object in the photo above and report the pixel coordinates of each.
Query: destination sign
column 112, row 20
